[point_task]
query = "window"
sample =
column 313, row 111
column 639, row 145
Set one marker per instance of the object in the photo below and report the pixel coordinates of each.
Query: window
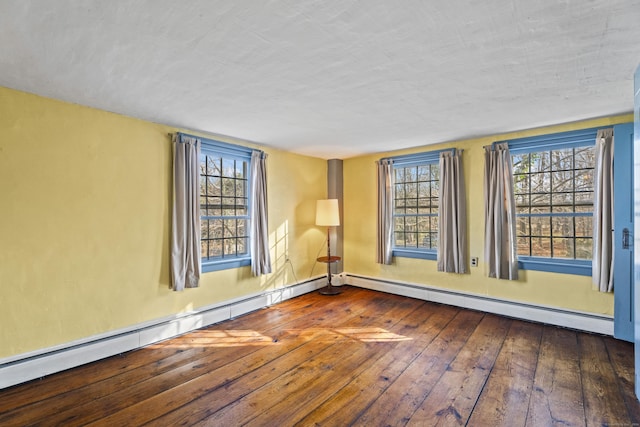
column 416, row 192
column 553, row 184
column 554, row 202
column 224, row 205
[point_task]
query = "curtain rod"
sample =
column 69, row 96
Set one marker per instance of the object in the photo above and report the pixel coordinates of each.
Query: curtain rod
column 422, row 153
column 220, row 144
column 217, row 137
column 549, row 135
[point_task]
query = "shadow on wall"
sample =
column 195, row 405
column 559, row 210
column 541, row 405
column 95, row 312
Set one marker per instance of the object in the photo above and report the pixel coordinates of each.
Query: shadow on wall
column 281, row 269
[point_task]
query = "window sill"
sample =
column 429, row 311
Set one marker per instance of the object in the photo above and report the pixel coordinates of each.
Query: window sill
column 416, row 253
column 224, row 264
column 556, row 265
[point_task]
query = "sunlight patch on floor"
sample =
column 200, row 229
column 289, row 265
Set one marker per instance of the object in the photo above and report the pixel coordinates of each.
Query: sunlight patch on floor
column 241, row 338
column 221, row 338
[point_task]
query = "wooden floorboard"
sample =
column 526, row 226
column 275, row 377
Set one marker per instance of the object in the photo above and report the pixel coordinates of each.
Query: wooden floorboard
column 402, row 395
column 624, row 370
column 454, row 397
column 359, row 358
column 603, row 401
column 504, row 400
column 556, row 398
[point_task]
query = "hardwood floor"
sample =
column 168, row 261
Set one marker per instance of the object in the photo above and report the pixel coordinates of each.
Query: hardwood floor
column 360, row 358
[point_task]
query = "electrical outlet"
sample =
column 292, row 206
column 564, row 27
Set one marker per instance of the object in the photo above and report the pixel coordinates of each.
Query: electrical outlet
column 474, row 261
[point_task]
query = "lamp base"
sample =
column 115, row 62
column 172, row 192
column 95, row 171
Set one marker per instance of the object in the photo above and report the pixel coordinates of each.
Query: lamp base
column 330, row 290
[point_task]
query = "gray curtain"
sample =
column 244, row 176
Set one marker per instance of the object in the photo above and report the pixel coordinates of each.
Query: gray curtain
column 185, row 232
column 602, row 272
column 384, row 234
column 452, row 214
column 500, row 249
column 260, row 257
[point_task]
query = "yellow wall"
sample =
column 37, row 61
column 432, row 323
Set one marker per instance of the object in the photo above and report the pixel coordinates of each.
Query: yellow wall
column 557, row 290
column 85, row 213
column 84, row 224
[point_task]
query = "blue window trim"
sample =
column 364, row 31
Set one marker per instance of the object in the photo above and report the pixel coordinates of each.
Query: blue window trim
column 225, row 149
column 580, row 267
column 233, row 152
column 408, row 160
column 418, row 158
column 555, row 141
column 225, row 264
column 429, row 254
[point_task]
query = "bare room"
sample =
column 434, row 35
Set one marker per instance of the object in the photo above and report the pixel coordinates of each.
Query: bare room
column 319, row 212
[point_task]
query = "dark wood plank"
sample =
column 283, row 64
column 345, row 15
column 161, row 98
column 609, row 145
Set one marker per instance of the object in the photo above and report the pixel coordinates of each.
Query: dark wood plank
column 453, row 398
column 83, row 376
column 103, row 398
column 86, row 375
column 603, row 402
column 346, row 406
column 395, row 336
column 505, row 398
column 184, row 356
column 258, row 372
column 296, row 381
column 556, row 397
column 359, row 358
column 399, row 398
column 621, row 356
column 208, row 394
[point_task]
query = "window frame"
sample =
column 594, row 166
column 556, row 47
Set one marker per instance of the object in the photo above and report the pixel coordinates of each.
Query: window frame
column 411, row 160
column 556, row 141
column 210, row 147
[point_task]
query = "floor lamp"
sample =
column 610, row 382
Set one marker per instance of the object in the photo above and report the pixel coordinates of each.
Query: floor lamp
column 327, row 214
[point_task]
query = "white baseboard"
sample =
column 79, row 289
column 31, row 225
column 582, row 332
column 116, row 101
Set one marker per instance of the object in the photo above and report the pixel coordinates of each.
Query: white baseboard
column 25, row 367
column 583, row 321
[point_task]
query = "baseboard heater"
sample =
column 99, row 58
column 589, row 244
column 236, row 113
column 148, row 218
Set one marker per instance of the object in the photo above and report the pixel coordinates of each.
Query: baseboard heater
column 583, row 321
column 25, row 367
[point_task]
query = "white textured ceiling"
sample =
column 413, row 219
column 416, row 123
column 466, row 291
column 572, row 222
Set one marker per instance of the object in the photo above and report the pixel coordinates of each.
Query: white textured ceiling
column 331, row 78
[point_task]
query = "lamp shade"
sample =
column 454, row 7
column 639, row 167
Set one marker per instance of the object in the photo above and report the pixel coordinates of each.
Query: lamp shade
column 327, row 212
